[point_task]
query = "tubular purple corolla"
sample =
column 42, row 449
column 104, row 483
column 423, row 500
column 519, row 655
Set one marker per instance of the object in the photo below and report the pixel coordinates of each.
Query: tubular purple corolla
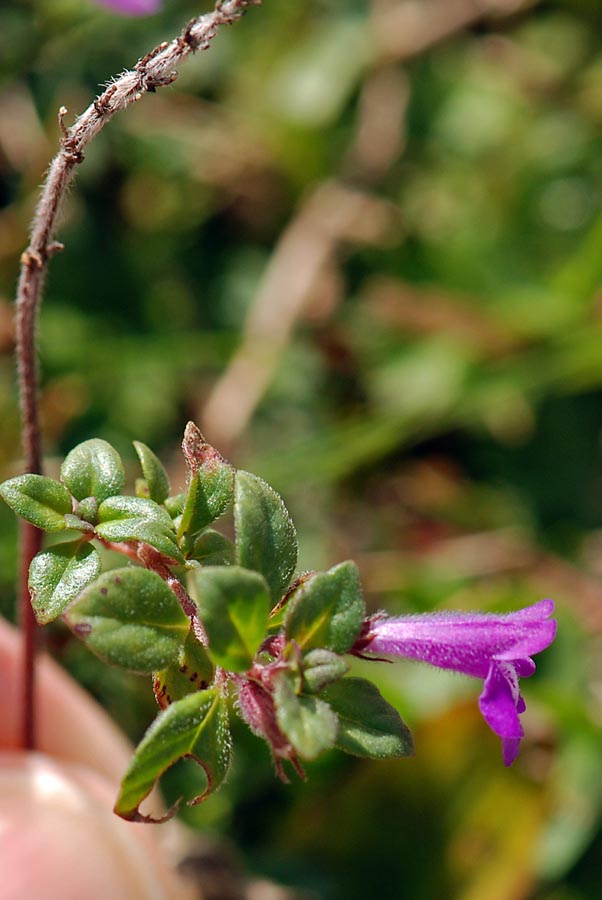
column 496, row 648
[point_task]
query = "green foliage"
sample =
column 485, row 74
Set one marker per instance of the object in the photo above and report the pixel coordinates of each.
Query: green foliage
column 320, row 668
column 309, row 723
column 93, row 469
column 130, row 618
column 266, row 540
column 137, row 519
column 195, row 726
column 119, row 508
column 57, row 575
column 233, row 605
column 156, row 479
column 142, row 619
column 327, row 609
column 38, row 500
column 211, row 548
column 368, row 725
column 87, row 509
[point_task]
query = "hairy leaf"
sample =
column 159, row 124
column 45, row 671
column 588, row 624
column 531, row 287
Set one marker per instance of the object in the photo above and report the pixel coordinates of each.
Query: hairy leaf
column 129, row 617
column 368, row 725
column 213, row 549
column 155, row 476
column 175, row 504
column 195, row 726
column 266, row 540
column 309, row 723
column 116, row 508
column 327, row 609
column 147, row 532
column 39, row 500
column 57, row 575
column 234, row 604
column 320, row 668
column 93, row 469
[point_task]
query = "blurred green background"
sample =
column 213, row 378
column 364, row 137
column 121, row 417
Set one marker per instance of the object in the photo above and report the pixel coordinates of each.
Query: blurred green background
column 360, row 243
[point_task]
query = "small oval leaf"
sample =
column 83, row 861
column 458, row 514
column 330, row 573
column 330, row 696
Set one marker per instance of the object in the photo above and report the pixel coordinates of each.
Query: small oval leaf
column 196, row 726
column 129, row 617
column 213, row 549
column 308, row 723
column 157, row 479
column 93, row 469
column 116, row 508
column 233, row 605
column 57, row 575
column 320, row 668
column 266, row 540
column 152, row 533
column 39, row 500
column 368, row 725
column 327, row 609
column 174, row 505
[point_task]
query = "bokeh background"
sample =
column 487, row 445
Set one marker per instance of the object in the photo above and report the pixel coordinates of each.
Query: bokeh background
column 360, row 243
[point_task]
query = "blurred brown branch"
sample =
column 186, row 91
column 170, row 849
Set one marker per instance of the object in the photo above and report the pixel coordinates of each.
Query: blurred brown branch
column 331, row 215
column 406, row 29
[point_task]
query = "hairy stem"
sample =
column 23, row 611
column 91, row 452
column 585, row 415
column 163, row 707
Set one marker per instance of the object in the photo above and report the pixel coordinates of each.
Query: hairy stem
column 31, row 543
column 156, row 69
column 153, row 560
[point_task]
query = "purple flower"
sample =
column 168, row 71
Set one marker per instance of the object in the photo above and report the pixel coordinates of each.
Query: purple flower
column 497, row 648
column 132, row 7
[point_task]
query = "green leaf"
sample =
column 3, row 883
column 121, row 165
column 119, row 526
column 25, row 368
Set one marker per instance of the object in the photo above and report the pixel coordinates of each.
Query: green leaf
column 174, row 505
column 39, row 500
column 93, row 469
column 74, row 523
column 152, row 533
column 368, row 725
column 191, row 671
column 195, row 726
column 266, row 540
column 87, row 509
column 157, row 479
column 116, row 508
column 129, row 617
column 233, row 606
column 213, row 549
column 327, row 610
column 210, row 490
column 58, row 575
column 309, row 723
column 320, row 668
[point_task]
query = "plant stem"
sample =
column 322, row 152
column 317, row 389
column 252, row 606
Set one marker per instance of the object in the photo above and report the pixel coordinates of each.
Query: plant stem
column 156, row 69
column 31, row 543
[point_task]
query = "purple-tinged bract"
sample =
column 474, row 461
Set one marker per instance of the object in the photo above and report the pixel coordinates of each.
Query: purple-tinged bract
column 497, row 648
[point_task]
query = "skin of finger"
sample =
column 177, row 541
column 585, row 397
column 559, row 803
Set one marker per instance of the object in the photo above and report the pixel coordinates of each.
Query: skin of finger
column 59, row 838
column 70, row 725
column 72, row 728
